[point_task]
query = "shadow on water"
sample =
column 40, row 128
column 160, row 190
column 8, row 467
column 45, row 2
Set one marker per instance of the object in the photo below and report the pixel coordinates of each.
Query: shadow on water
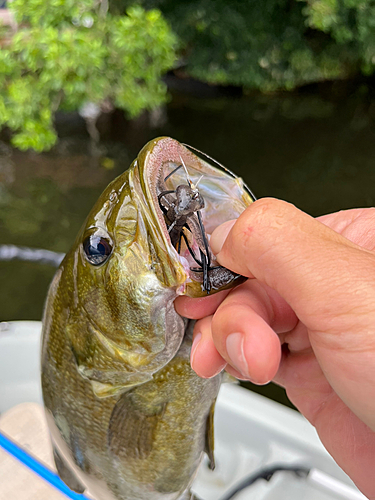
column 314, row 148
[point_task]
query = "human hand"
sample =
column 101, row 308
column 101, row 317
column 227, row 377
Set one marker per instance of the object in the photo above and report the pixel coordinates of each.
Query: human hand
column 305, row 320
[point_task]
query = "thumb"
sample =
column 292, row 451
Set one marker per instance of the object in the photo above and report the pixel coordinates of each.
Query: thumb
column 305, row 261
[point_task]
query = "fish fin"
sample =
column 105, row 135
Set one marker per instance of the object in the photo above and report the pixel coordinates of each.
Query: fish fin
column 210, row 441
column 66, row 473
column 131, row 429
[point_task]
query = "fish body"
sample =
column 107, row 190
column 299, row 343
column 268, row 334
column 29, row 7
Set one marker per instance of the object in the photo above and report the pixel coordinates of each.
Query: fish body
column 129, row 419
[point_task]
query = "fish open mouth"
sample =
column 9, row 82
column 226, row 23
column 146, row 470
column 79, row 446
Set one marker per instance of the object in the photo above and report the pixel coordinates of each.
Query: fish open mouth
column 191, row 197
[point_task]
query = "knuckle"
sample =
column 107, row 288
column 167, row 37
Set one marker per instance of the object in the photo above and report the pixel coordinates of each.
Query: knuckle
column 266, row 214
column 203, row 326
column 271, row 207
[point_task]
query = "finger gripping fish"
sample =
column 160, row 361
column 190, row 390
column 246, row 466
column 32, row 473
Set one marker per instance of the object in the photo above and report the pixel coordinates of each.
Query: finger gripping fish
column 129, row 419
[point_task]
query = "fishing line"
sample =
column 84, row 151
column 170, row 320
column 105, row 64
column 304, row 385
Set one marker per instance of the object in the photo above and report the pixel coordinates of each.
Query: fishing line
column 189, row 248
column 41, row 470
column 173, row 171
column 204, row 238
column 215, row 163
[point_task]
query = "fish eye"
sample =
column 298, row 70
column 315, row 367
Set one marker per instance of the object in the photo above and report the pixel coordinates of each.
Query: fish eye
column 97, row 249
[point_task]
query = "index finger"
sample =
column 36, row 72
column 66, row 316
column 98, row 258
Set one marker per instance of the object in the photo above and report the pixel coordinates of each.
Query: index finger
column 200, row 307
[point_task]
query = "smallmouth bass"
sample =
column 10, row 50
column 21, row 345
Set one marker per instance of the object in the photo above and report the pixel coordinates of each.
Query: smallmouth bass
column 129, row 419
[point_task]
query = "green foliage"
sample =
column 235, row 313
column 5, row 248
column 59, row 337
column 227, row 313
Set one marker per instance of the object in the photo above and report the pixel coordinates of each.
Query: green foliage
column 349, row 23
column 271, row 44
column 52, row 13
column 67, row 53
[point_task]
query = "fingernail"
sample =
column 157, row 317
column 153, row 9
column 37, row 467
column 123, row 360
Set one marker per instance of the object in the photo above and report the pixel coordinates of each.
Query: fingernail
column 219, row 235
column 196, row 341
column 235, row 351
column 219, row 370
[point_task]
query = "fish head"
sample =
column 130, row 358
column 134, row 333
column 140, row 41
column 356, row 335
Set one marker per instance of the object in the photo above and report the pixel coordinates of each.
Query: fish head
column 123, row 273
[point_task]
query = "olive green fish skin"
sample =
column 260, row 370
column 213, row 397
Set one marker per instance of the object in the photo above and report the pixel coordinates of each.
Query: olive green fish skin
column 127, row 415
column 144, row 444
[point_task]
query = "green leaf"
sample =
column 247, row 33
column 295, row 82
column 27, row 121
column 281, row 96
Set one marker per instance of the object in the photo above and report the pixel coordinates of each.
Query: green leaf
column 66, row 54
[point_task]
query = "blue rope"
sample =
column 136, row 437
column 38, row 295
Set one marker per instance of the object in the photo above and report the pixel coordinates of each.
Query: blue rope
column 38, row 468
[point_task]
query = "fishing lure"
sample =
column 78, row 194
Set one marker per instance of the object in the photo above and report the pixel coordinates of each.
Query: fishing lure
column 181, row 208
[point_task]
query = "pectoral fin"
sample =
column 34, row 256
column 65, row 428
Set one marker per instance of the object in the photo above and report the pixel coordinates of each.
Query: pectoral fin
column 131, row 429
column 209, row 447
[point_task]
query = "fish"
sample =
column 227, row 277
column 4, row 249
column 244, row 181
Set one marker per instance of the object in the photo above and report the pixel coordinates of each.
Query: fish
column 128, row 417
